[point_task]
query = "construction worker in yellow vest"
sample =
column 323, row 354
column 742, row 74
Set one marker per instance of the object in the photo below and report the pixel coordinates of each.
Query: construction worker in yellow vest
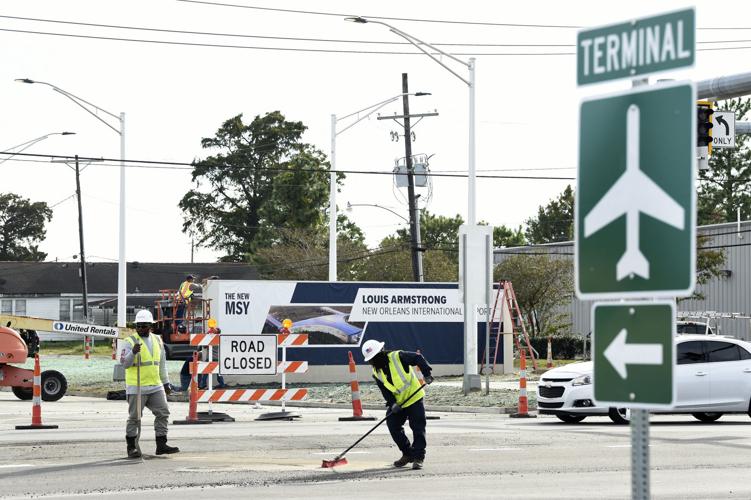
column 396, row 378
column 184, row 296
column 154, row 384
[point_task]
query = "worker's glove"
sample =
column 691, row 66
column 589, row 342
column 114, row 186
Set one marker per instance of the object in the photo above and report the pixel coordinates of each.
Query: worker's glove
column 137, row 348
column 395, row 408
column 168, row 389
column 429, row 379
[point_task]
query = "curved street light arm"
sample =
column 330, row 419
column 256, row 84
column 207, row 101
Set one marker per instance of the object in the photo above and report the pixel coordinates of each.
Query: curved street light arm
column 411, row 39
column 26, row 145
column 349, row 205
column 78, row 101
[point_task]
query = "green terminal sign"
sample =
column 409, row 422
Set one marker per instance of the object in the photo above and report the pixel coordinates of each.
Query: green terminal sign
column 636, row 48
column 635, row 223
column 634, row 354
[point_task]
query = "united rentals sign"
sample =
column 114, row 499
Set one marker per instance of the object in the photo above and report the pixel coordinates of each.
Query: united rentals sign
column 84, row 329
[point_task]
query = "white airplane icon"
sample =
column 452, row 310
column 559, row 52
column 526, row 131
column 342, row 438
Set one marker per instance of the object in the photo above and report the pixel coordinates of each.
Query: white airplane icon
column 633, row 193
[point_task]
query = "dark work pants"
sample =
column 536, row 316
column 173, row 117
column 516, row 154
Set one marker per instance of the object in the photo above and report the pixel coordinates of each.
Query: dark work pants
column 415, row 413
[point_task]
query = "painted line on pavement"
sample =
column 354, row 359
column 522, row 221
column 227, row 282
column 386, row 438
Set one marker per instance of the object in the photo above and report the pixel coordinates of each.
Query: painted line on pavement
column 494, row 449
column 12, row 466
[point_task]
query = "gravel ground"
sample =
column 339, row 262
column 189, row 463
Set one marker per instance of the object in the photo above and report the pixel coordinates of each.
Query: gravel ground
column 94, row 378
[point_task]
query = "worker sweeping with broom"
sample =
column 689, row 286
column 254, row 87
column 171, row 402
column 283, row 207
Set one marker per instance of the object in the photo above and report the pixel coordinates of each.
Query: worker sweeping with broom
column 146, row 385
column 400, row 386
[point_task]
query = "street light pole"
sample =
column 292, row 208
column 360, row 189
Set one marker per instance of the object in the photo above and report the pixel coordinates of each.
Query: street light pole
column 121, row 269
column 332, row 160
column 470, row 82
column 26, row 145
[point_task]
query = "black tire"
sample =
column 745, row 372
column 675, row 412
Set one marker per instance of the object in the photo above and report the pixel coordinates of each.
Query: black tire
column 707, row 417
column 620, row 416
column 570, row 419
column 54, row 385
column 23, row 393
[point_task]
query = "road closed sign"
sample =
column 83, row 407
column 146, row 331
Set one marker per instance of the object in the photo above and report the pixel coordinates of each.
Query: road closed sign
column 247, row 354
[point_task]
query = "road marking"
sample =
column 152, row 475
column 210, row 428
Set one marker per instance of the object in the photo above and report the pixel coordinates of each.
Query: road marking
column 622, row 446
column 494, row 449
column 12, row 466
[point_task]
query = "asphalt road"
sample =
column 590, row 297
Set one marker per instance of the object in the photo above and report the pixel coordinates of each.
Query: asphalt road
column 469, row 456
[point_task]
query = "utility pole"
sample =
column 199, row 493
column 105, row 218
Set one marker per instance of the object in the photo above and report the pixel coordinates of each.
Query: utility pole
column 414, row 216
column 80, row 241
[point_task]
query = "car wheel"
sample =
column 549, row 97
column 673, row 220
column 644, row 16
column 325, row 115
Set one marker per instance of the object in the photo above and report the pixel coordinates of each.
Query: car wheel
column 620, row 416
column 54, row 385
column 571, row 419
column 706, row 417
column 23, row 393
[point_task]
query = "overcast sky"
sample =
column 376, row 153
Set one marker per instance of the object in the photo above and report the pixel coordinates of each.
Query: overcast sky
column 175, row 94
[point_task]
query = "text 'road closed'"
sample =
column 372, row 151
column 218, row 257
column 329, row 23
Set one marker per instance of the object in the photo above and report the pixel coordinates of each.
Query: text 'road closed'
column 247, row 354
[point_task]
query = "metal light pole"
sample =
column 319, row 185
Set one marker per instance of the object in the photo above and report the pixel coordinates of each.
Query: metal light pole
column 332, row 187
column 121, row 269
column 26, row 145
column 470, row 82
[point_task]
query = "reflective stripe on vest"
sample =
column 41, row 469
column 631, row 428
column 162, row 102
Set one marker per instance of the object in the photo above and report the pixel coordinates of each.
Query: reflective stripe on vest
column 404, row 384
column 149, row 362
column 185, row 291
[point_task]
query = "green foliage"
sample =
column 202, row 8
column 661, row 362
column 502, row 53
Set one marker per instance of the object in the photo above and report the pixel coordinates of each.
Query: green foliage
column 726, row 185
column 303, row 254
column 506, row 237
column 542, row 284
column 709, row 263
column 392, row 261
column 22, row 227
column 554, row 222
column 263, row 179
column 564, row 346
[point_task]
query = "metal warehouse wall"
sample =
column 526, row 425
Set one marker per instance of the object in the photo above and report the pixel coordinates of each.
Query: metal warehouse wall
column 728, row 294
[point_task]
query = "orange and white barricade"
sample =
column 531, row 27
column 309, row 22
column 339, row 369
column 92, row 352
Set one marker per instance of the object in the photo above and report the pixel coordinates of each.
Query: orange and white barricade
column 284, row 339
column 36, row 409
column 192, row 417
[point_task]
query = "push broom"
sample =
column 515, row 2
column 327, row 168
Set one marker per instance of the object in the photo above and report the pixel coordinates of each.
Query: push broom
column 340, row 459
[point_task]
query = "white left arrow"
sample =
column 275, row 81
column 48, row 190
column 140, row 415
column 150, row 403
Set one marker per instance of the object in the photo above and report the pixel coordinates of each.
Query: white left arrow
column 620, row 354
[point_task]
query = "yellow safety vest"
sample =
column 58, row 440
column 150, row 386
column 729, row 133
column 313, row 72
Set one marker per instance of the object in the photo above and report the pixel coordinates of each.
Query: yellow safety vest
column 404, row 384
column 185, row 291
column 149, row 362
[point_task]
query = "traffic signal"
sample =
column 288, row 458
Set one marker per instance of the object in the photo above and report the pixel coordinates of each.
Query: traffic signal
column 704, row 113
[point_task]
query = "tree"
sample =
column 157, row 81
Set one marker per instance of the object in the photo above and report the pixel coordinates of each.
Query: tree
column 506, row 237
column 262, row 179
column 392, row 261
column 542, row 284
column 726, row 185
column 22, row 227
column 554, row 222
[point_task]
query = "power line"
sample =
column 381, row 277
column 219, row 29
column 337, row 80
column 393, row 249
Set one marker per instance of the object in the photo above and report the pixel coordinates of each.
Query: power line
column 307, row 49
column 307, row 39
column 417, row 20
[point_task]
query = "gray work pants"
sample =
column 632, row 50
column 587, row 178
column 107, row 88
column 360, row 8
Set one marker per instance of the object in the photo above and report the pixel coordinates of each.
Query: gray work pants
column 157, row 403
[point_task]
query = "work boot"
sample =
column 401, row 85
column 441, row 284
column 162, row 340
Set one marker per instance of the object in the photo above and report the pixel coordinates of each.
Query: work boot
column 162, row 448
column 417, row 464
column 403, row 461
column 132, row 448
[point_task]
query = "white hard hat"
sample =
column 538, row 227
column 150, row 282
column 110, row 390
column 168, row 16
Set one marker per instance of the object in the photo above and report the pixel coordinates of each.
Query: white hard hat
column 370, row 348
column 144, row 316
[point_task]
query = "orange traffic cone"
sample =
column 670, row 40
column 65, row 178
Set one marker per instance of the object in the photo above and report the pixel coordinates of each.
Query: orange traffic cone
column 192, row 417
column 36, row 409
column 355, row 386
column 550, row 352
column 522, row 411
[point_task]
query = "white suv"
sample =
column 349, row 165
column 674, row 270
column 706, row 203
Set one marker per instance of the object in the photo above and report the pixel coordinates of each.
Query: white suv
column 712, row 377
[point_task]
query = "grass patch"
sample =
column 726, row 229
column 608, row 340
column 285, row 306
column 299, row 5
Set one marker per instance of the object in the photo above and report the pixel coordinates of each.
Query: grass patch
column 101, row 347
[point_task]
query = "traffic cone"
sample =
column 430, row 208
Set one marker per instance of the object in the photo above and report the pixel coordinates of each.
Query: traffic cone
column 522, row 411
column 192, row 417
column 36, row 409
column 355, row 386
column 114, row 349
column 550, row 352
column 86, row 347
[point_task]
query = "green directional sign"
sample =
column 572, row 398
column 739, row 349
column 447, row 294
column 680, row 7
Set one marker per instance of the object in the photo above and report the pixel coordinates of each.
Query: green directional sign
column 635, row 228
column 636, row 48
column 634, row 354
